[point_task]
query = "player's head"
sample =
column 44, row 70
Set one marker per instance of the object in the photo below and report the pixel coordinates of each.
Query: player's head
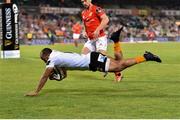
column 44, row 54
column 86, row 3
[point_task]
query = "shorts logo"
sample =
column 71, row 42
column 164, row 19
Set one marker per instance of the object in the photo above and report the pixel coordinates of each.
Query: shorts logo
column 100, row 44
column 101, row 58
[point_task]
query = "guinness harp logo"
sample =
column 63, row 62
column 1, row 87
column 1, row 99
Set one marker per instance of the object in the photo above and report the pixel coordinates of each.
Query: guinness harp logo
column 7, row 42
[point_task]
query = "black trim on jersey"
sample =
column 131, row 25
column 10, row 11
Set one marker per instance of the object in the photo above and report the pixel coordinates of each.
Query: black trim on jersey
column 48, row 62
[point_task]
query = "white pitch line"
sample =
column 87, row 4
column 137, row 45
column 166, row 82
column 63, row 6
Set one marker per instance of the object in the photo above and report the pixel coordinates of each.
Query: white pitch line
column 33, row 59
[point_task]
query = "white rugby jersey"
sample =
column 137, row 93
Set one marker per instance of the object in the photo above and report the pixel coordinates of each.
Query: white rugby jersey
column 68, row 60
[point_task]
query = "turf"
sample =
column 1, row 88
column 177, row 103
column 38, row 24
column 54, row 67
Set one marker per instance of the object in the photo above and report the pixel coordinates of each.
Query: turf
column 149, row 90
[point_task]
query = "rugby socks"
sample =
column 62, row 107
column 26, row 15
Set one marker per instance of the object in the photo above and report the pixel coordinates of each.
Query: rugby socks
column 140, row 59
column 117, row 47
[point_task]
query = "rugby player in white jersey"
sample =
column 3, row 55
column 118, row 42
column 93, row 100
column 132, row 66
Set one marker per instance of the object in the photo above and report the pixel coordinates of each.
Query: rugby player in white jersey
column 94, row 61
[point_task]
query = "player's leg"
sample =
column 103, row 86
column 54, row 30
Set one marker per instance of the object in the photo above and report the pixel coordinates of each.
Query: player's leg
column 123, row 64
column 115, row 37
column 76, row 38
column 88, row 47
column 117, row 51
column 75, row 42
column 101, row 45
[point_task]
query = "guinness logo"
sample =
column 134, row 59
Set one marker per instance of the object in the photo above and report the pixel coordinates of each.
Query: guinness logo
column 7, row 42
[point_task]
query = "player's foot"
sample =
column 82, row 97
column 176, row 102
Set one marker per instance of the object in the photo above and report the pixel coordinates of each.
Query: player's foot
column 118, row 76
column 115, row 35
column 151, row 57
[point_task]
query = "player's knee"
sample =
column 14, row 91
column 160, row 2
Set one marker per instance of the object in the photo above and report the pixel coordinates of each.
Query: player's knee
column 124, row 63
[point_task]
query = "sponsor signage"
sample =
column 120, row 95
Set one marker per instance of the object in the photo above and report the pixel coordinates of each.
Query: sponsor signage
column 171, row 12
column 9, row 31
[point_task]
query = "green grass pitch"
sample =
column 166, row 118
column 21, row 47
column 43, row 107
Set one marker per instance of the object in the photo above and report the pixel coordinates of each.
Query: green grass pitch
column 149, row 90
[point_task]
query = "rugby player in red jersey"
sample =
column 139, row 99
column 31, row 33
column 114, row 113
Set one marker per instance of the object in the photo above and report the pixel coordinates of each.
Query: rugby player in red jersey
column 95, row 21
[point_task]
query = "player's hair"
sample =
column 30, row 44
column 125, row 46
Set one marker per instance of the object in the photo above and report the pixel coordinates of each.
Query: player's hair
column 46, row 51
column 89, row 1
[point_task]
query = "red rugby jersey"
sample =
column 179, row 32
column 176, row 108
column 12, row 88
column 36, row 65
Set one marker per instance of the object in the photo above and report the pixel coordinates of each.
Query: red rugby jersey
column 77, row 28
column 91, row 19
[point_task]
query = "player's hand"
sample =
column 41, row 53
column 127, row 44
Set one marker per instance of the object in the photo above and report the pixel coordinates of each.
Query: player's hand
column 96, row 33
column 33, row 93
column 84, row 34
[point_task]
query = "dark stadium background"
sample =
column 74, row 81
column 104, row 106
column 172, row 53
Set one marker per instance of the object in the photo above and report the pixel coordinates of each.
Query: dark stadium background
column 144, row 20
column 170, row 4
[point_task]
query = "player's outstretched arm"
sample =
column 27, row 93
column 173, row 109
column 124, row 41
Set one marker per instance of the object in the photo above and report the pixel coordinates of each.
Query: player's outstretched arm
column 104, row 22
column 42, row 82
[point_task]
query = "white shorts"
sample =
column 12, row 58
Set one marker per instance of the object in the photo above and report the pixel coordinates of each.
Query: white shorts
column 76, row 36
column 97, row 44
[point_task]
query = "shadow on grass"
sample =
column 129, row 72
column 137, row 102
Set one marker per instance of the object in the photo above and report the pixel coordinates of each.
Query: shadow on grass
column 125, row 93
column 90, row 92
column 90, row 76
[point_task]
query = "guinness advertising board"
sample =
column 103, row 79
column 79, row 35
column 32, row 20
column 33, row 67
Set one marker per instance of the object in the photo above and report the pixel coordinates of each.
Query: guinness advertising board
column 9, row 31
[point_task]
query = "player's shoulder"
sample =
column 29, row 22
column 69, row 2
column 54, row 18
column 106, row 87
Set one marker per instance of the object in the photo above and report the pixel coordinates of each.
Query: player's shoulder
column 54, row 53
column 94, row 7
column 97, row 9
